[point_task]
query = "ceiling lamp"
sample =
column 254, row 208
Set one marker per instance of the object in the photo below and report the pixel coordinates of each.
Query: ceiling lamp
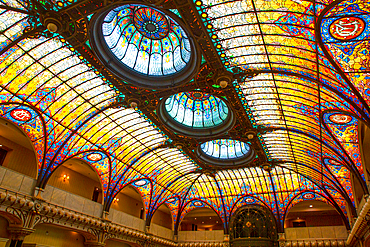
column 144, row 46
column 196, row 114
column 225, row 153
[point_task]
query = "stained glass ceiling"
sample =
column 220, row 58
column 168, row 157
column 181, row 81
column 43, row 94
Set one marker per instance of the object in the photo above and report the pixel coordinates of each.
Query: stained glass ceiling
column 297, row 86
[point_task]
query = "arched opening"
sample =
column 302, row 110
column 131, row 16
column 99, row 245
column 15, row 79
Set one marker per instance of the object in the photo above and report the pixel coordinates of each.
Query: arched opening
column 312, row 213
column 78, row 177
column 16, row 149
column 52, row 235
column 116, row 243
column 129, row 201
column 162, row 217
column 253, row 225
column 201, row 219
column 4, row 235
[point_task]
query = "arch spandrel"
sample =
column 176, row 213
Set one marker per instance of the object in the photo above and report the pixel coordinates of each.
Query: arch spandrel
column 344, row 33
column 30, row 122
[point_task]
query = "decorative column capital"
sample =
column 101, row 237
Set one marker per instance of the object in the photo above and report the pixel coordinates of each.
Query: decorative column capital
column 19, row 233
column 105, row 215
column 38, row 193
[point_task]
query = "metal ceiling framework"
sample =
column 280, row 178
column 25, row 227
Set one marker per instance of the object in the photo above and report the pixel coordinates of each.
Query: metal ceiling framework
column 288, row 83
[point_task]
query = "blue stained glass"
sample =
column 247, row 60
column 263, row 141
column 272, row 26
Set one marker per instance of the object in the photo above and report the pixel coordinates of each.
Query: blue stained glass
column 146, row 40
column 226, row 149
column 197, row 109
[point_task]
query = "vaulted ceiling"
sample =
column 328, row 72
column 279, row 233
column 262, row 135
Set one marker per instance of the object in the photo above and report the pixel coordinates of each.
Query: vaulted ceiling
column 297, row 74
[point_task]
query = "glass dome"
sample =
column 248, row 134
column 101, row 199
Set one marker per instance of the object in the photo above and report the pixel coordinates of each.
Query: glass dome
column 225, row 152
column 196, row 114
column 225, row 149
column 144, row 41
column 197, row 109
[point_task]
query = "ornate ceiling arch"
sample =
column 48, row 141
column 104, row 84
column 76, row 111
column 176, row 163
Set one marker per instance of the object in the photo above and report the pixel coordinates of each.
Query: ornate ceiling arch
column 287, row 70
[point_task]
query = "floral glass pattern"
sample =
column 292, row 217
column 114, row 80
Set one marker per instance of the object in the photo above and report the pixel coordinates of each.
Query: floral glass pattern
column 197, row 109
column 146, row 40
column 226, row 149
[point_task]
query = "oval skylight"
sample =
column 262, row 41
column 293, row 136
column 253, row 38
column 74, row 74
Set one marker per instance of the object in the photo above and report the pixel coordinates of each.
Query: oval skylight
column 196, row 113
column 143, row 44
column 224, row 149
column 225, row 152
column 197, row 109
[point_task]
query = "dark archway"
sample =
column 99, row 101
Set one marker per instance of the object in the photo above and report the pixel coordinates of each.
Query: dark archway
column 78, row 177
column 312, row 213
column 253, row 226
column 201, row 219
column 130, row 201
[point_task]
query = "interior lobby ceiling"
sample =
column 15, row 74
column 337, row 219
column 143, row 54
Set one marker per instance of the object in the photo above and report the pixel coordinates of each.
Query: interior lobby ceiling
column 271, row 92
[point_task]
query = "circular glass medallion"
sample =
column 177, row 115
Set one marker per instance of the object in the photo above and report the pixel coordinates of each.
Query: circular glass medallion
column 333, row 162
column 140, row 182
column 171, row 200
column 340, row 118
column 308, row 196
column 21, row 115
column 151, row 23
column 347, row 28
column 94, row 157
column 249, row 200
column 225, row 152
column 196, row 114
column 144, row 46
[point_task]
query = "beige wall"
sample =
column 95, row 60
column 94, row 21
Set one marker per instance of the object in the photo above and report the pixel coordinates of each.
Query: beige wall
column 19, row 158
column 323, row 232
column 50, row 235
column 77, row 183
column 125, row 219
column 128, row 205
column 16, row 181
column 162, row 219
column 216, row 236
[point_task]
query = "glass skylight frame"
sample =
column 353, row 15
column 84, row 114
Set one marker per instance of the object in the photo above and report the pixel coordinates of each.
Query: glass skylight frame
column 130, row 75
column 227, row 162
column 202, row 132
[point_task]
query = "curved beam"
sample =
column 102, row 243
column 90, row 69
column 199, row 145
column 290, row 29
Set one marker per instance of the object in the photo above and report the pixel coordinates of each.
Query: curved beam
column 351, row 166
column 356, row 172
column 182, row 205
column 167, row 188
column 226, row 229
column 111, row 195
column 319, row 83
column 66, row 140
